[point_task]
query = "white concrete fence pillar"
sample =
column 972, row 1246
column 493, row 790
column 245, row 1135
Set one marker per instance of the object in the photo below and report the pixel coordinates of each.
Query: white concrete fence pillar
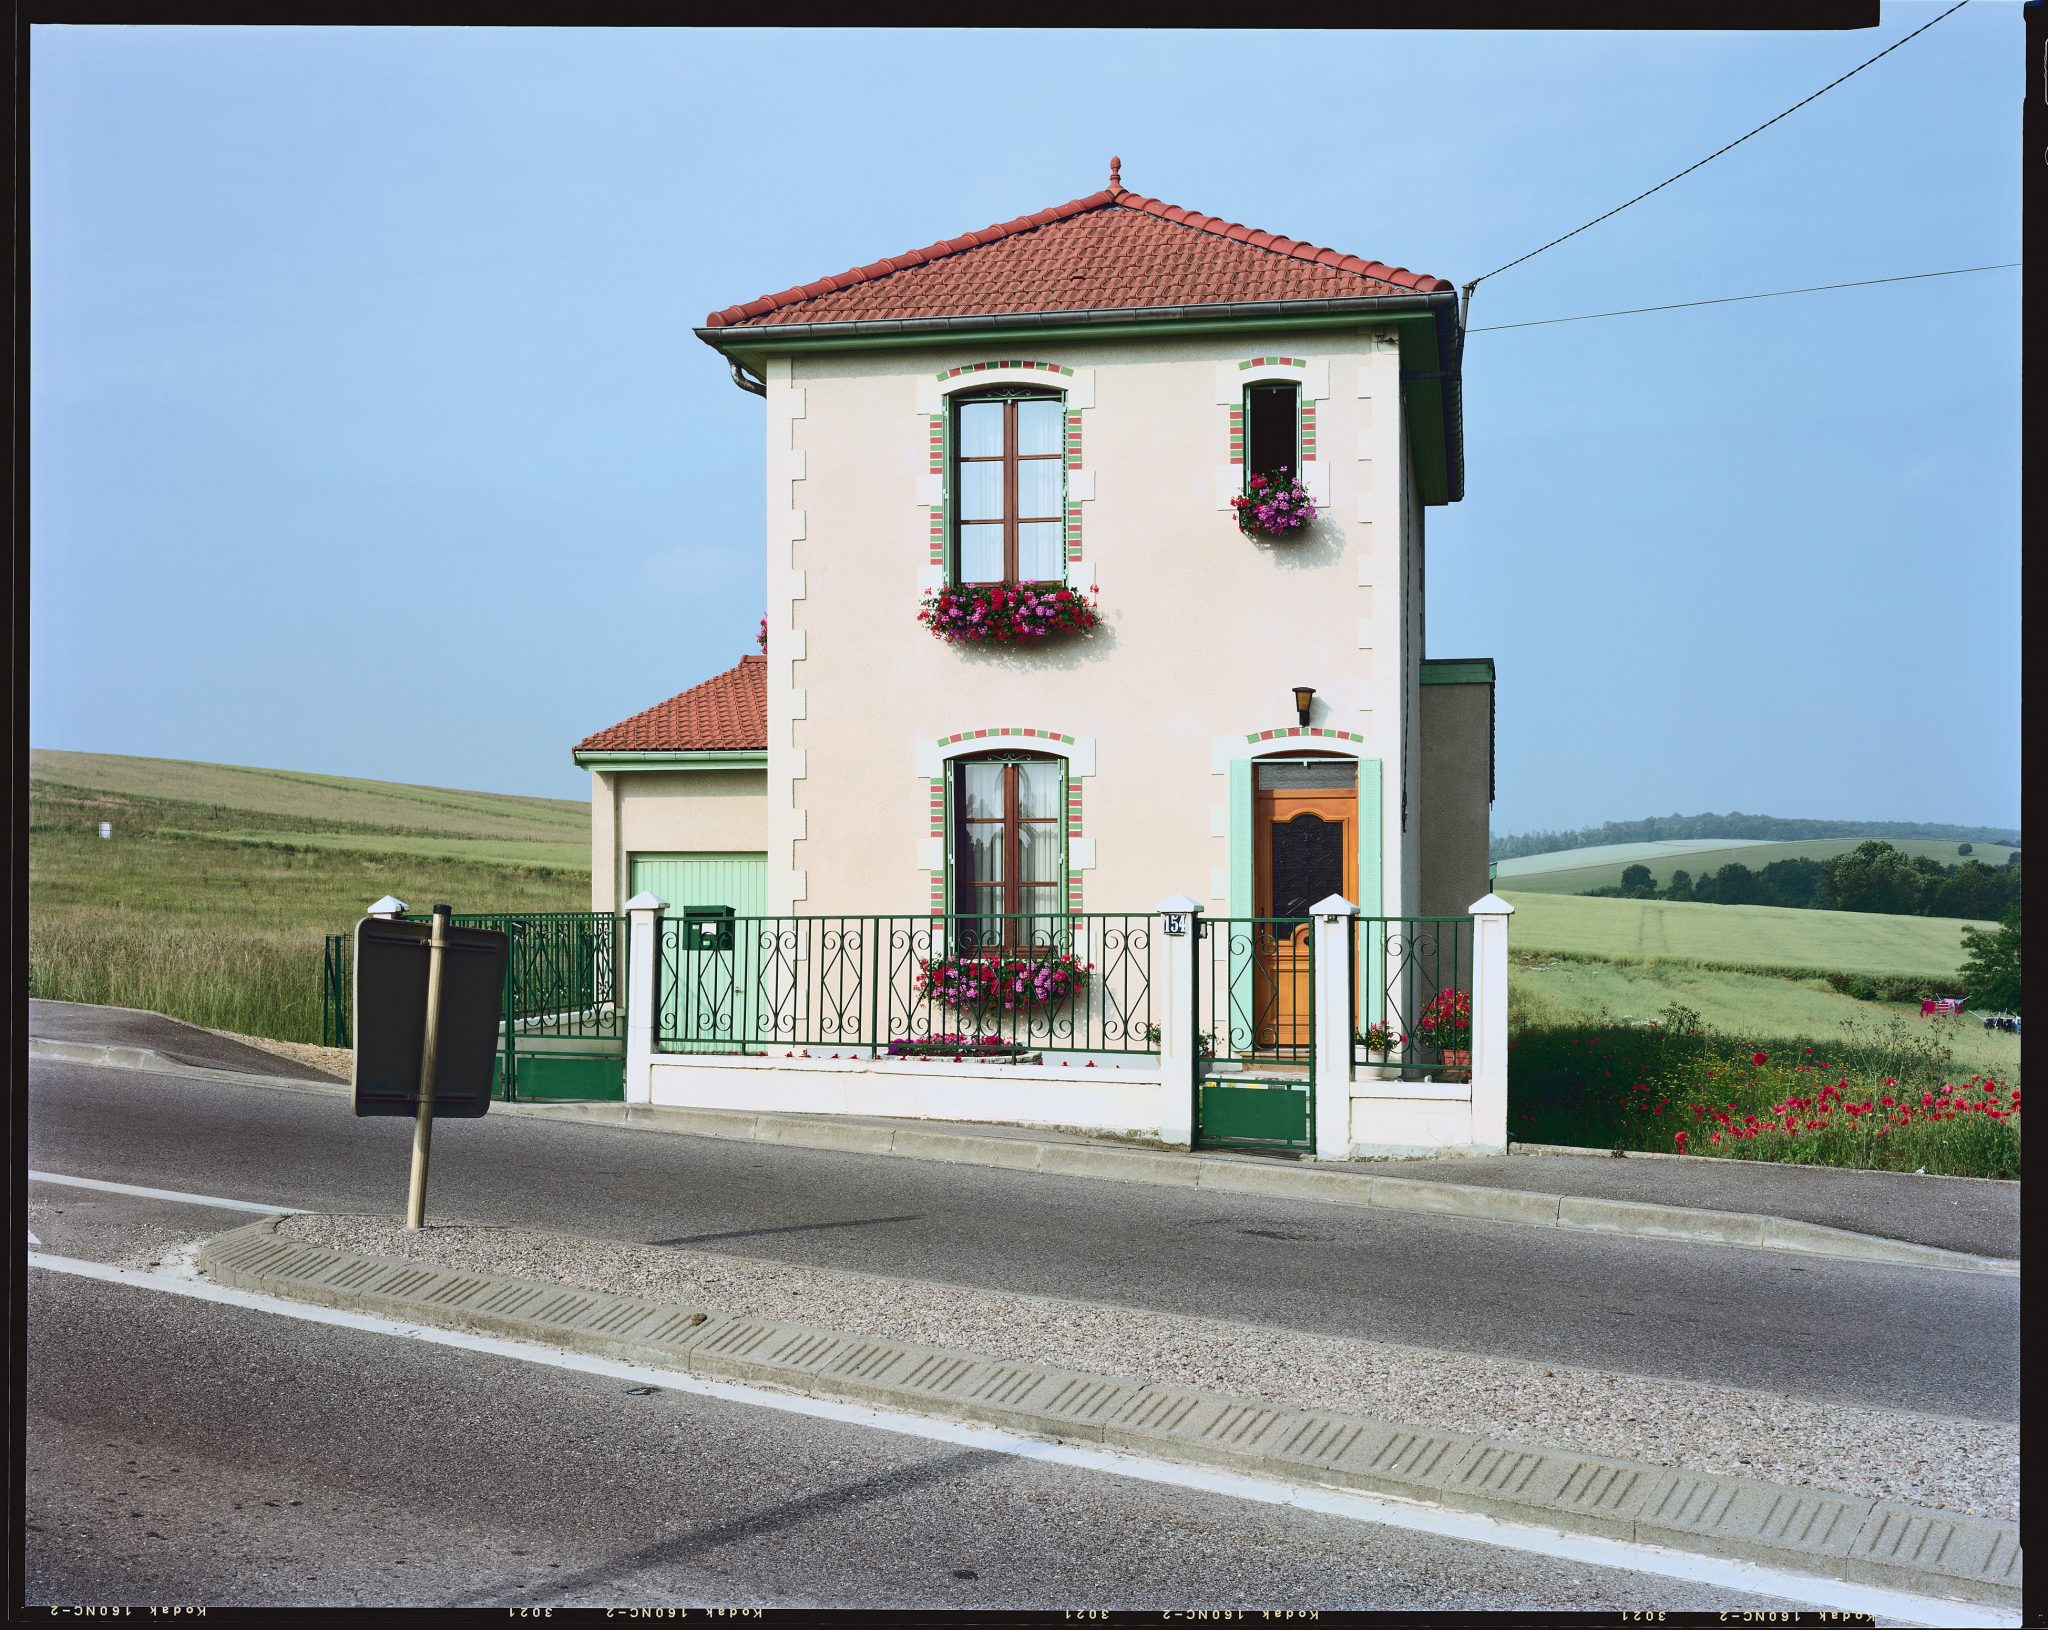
column 643, row 999
column 1173, row 981
column 390, row 908
column 1490, row 1022
column 1333, row 918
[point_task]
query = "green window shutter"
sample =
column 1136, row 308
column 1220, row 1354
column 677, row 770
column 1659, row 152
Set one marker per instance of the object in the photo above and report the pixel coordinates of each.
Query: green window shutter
column 1371, row 888
column 1241, row 903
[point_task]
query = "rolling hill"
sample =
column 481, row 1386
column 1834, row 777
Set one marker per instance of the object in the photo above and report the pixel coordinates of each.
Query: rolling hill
column 1574, row 871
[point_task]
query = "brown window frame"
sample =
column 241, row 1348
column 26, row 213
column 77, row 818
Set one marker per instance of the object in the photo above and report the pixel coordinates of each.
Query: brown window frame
column 1009, row 889
column 1009, row 458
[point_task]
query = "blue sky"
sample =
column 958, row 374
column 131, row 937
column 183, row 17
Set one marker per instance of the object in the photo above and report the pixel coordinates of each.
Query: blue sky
column 370, row 435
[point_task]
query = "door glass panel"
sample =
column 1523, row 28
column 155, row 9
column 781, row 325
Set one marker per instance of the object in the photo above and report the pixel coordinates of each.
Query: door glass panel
column 1041, row 552
column 981, row 492
column 1038, row 489
column 1038, row 425
column 981, row 553
column 1040, row 903
column 1307, row 863
column 981, row 429
column 1318, row 775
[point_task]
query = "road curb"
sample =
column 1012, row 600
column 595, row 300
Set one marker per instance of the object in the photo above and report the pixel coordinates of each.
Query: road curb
column 1893, row 1546
column 1354, row 1185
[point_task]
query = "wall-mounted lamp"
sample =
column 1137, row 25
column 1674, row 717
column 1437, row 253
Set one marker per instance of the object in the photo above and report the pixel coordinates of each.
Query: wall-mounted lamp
column 1303, row 695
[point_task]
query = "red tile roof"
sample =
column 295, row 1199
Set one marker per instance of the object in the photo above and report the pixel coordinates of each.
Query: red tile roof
column 728, row 711
column 1112, row 250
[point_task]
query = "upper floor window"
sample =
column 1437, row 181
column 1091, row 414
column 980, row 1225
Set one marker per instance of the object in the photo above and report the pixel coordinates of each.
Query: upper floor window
column 1009, row 847
column 1009, row 487
column 1272, row 428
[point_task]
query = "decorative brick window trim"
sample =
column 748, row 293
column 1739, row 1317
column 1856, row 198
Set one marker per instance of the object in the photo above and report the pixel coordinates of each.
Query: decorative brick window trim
column 995, row 367
column 1316, row 730
column 1002, row 731
column 1305, row 407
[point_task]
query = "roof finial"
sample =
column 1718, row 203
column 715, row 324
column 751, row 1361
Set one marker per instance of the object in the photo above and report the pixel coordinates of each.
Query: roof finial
column 1116, row 180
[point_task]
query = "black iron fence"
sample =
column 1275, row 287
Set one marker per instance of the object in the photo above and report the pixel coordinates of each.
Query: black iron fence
column 903, row 985
column 1412, row 997
column 1254, row 993
column 566, row 974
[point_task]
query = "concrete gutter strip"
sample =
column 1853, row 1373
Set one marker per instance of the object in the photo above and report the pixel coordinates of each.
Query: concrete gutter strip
column 1893, row 1546
column 1073, row 1157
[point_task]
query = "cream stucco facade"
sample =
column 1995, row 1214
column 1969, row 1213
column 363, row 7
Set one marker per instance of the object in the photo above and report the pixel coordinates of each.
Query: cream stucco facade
column 1205, row 631
column 645, row 812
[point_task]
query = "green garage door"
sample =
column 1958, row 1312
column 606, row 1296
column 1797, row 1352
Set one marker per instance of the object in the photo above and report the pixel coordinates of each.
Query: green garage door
column 710, row 879
column 706, row 995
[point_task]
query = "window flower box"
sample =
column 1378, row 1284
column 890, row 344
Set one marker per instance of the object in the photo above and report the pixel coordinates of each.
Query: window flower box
column 1007, row 613
column 1007, row 979
column 1275, row 505
column 947, row 1044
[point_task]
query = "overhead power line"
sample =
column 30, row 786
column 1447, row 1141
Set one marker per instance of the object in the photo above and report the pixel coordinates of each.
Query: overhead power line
column 1737, row 142
column 1731, row 299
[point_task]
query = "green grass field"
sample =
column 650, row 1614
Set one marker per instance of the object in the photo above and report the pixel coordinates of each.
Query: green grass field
column 1573, row 871
column 214, row 911
column 326, row 802
column 1555, row 992
column 1768, row 936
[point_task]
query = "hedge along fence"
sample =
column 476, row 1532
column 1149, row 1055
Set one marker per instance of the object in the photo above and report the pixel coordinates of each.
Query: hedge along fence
column 1874, row 987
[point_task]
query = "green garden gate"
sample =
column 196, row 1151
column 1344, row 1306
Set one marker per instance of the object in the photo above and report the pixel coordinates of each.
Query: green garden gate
column 1254, row 1013
column 563, row 1035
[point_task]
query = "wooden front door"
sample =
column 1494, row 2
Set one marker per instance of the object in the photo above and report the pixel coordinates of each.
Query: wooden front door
column 1304, row 849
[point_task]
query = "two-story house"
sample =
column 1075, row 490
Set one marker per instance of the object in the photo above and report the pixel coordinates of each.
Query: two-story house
column 1073, row 399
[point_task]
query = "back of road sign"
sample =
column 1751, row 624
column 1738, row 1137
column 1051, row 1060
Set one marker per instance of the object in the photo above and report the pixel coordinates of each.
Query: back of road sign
column 391, row 1017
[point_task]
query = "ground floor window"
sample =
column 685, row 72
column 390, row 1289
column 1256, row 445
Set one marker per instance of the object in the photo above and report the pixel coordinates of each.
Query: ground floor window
column 1009, row 848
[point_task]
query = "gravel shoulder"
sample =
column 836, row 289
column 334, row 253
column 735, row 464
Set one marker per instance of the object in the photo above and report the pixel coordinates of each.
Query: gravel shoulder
column 1963, row 1466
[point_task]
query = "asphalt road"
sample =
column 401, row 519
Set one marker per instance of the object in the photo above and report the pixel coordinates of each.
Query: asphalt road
column 188, row 1453
column 1945, row 1343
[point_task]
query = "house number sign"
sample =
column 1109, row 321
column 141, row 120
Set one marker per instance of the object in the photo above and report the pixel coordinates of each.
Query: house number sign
column 1176, row 924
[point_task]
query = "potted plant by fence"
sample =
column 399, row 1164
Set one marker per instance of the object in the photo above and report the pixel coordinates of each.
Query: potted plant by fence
column 1006, row 613
column 1446, row 1024
column 1379, row 1040
column 1274, row 505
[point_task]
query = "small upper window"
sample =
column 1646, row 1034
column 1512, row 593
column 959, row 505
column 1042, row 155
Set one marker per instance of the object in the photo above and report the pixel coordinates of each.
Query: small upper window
column 1272, row 428
column 1009, row 488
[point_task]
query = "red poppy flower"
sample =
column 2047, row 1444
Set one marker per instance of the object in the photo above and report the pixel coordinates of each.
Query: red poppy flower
column 1759, row 1058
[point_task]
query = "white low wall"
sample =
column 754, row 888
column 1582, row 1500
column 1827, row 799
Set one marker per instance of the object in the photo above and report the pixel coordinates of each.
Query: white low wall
column 1102, row 1099
column 1390, row 1116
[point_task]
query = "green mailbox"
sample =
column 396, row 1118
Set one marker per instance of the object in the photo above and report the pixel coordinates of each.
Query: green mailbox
column 707, row 928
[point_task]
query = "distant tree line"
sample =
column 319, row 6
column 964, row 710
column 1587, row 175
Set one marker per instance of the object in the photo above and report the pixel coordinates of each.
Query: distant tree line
column 1772, row 828
column 1874, row 876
